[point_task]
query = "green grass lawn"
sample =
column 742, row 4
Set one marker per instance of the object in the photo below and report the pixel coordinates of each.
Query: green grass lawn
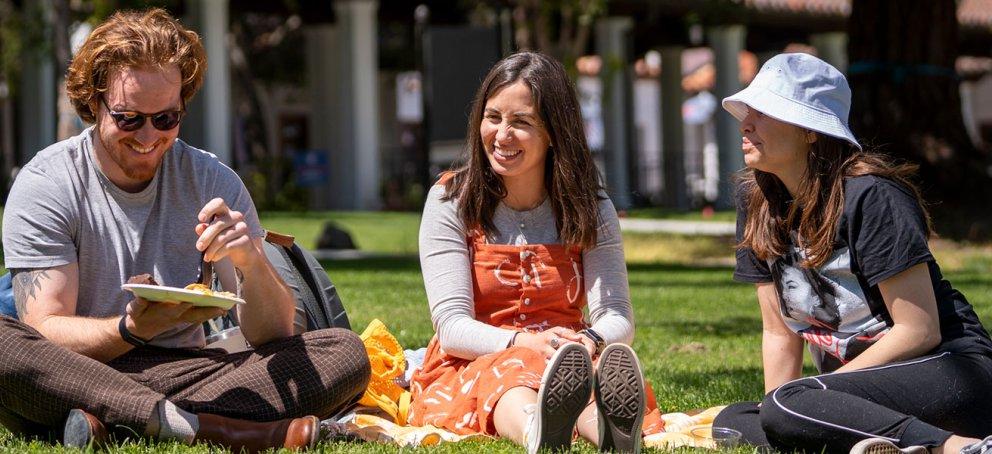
column 694, row 215
column 394, row 233
column 698, row 332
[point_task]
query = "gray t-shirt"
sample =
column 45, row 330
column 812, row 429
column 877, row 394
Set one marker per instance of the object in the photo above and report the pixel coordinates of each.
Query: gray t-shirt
column 63, row 209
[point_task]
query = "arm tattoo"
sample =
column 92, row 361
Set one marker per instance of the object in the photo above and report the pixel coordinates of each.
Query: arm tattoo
column 26, row 283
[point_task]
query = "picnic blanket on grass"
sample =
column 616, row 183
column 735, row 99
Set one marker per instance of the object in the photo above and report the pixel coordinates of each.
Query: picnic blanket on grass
column 684, row 430
column 382, row 413
column 366, row 426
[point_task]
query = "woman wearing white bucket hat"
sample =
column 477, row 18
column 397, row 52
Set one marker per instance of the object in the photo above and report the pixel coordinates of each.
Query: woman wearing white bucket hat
column 906, row 363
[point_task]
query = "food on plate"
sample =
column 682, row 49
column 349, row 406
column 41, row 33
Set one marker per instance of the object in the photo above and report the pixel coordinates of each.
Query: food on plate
column 144, row 279
column 202, row 288
column 143, row 286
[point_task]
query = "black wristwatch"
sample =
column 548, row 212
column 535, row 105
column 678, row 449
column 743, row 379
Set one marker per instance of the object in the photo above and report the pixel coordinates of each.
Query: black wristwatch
column 127, row 336
column 595, row 338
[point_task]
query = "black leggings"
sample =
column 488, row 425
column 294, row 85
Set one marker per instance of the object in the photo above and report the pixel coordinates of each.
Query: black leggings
column 917, row 402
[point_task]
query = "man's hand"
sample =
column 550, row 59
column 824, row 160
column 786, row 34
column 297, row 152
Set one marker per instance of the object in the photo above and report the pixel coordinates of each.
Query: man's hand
column 147, row 319
column 224, row 237
column 224, row 233
column 46, row 301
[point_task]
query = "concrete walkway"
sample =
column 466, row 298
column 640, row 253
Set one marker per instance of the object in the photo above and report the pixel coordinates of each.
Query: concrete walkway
column 626, row 224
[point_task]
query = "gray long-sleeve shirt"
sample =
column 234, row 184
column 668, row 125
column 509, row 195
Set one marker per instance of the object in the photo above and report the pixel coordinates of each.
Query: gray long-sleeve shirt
column 447, row 269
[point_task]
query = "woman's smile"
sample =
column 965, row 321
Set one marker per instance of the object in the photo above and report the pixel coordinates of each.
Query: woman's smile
column 506, row 155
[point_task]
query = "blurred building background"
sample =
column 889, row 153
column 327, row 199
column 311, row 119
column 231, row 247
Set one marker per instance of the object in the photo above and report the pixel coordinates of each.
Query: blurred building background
column 358, row 104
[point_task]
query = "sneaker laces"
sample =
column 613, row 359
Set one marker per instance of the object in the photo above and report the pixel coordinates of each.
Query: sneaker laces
column 531, row 433
column 982, row 447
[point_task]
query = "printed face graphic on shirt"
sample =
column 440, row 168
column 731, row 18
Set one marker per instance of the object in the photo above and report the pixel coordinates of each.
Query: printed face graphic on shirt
column 807, row 296
column 826, row 306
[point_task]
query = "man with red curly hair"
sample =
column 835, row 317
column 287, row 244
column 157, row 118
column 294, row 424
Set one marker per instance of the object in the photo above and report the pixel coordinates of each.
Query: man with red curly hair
column 126, row 197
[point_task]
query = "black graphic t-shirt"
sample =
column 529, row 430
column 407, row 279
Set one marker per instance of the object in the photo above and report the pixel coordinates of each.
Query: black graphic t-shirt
column 838, row 308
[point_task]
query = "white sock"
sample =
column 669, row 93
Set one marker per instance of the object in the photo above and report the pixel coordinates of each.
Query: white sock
column 176, row 423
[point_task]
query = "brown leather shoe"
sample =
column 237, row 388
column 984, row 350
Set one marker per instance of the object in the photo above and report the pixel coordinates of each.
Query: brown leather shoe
column 82, row 430
column 240, row 435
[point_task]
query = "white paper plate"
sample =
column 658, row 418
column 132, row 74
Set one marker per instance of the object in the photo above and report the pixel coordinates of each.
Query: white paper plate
column 163, row 293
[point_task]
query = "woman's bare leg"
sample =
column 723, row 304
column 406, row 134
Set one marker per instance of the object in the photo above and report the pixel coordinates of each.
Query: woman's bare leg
column 954, row 444
column 509, row 416
column 588, row 424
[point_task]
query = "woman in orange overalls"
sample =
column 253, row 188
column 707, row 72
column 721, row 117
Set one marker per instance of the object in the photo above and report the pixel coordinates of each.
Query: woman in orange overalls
column 513, row 246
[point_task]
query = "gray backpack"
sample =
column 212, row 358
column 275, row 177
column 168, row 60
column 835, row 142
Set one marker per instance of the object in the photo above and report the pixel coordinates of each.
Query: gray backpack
column 315, row 294
column 313, row 289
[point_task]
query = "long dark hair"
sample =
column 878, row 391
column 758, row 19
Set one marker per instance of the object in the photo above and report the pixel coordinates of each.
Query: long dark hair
column 570, row 175
column 814, row 213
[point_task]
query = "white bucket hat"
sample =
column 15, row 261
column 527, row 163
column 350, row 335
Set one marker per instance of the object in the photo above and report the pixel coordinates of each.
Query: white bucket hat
column 798, row 89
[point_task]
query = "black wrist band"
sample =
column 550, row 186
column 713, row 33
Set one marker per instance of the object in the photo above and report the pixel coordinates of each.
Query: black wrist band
column 595, row 338
column 127, row 336
column 513, row 339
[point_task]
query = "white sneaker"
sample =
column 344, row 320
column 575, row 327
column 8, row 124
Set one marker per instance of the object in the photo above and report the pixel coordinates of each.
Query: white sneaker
column 565, row 390
column 982, row 447
column 884, row 446
column 532, row 429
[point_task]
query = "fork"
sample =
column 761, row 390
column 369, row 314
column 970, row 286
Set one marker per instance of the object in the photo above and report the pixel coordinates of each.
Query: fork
column 205, row 272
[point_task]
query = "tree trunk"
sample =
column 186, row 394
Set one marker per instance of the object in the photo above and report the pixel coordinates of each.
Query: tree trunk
column 906, row 100
column 558, row 28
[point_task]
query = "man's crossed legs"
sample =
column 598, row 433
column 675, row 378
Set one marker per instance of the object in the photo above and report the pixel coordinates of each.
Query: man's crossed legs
column 317, row 373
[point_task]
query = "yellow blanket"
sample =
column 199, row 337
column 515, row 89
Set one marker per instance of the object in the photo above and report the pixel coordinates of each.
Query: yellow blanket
column 682, row 430
column 377, row 429
column 388, row 363
column 384, row 397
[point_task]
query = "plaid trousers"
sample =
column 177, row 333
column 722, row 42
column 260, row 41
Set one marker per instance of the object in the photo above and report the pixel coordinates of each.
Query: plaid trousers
column 315, row 373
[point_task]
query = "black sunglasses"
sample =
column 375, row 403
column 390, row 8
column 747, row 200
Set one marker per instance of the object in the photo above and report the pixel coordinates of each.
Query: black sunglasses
column 133, row 121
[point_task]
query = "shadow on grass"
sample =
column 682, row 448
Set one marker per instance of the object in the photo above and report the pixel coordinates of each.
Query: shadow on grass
column 677, row 267
column 713, row 277
column 717, row 288
column 720, row 328
column 681, row 390
column 374, row 264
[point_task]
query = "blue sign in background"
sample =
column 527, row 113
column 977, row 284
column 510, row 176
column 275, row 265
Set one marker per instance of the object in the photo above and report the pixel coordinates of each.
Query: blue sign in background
column 310, row 167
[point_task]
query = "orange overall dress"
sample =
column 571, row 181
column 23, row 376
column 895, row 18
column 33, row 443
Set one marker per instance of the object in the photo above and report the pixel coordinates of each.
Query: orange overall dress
column 529, row 287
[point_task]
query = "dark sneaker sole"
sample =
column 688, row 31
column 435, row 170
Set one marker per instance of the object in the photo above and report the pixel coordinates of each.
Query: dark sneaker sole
column 620, row 399
column 77, row 433
column 565, row 390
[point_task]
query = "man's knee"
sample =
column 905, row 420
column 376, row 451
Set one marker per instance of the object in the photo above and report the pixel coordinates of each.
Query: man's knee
column 17, row 336
column 337, row 340
column 14, row 327
column 345, row 351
